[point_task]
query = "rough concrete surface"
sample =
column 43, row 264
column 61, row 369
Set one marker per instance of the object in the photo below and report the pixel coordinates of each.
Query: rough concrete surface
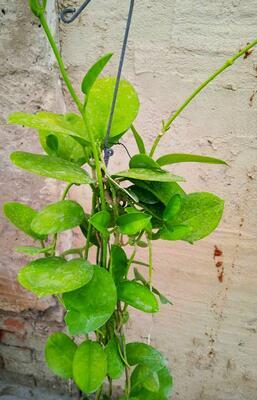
column 210, row 333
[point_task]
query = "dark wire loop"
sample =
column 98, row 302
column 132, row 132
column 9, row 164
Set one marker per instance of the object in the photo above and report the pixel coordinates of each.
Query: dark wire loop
column 75, row 13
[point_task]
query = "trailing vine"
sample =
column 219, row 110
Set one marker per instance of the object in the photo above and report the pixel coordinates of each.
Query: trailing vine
column 129, row 210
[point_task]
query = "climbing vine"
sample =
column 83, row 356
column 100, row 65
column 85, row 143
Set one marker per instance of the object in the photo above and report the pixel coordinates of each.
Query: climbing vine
column 130, row 209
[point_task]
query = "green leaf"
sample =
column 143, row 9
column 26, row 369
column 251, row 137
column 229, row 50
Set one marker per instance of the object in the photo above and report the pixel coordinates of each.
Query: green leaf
column 119, row 263
column 99, row 105
column 200, row 213
column 101, row 222
column 53, row 275
column 143, row 161
column 143, row 377
column 21, row 216
column 69, row 124
column 115, row 366
column 180, row 157
column 174, row 232
column 92, row 305
column 143, row 195
column 165, row 388
column 94, row 72
column 89, row 366
column 58, row 217
column 149, row 175
column 32, row 250
column 52, row 143
column 139, row 141
column 68, row 148
column 59, row 354
column 162, row 190
column 139, row 277
column 141, row 353
column 137, row 296
column 172, row 208
column 133, row 223
column 52, row 167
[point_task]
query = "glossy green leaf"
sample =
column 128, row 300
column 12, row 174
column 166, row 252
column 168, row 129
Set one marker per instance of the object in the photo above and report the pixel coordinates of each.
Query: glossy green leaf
column 200, row 213
column 137, row 296
column 141, row 353
column 53, row 275
column 32, row 250
column 119, row 263
column 174, row 232
column 139, row 141
column 69, row 124
column 115, row 366
column 52, row 167
column 139, row 277
column 58, row 217
column 143, row 377
column 59, row 354
column 180, row 158
column 92, row 305
column 133, row 223
column 143, row 161
column 99, row 105
column 84, row 229
column 143, row 195
column 68, row 148
column 89, row 366
column 52, row 143
column 162, row 190
column 165, row 388
column 149, row 175
column 172, row 208
column 101, row 222
column 94, row 72
column 21, row 216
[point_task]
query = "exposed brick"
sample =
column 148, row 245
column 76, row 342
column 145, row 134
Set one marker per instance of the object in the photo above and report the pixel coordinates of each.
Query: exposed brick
column 23, row 355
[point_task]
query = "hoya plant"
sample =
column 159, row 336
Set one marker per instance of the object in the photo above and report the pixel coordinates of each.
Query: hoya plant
column 98, row 283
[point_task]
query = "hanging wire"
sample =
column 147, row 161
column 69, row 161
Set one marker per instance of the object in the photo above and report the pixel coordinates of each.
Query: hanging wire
column 107, row 150
column 75, row 13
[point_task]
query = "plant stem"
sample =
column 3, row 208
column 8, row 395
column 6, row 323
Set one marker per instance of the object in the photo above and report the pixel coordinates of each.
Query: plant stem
column 60, row 62
column 78, row 250
column 150, row 255
column 227, row 64
column 89, row 230
column 66, row 191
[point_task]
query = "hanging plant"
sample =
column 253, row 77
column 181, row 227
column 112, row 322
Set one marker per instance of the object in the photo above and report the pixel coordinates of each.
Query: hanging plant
column 130, row 209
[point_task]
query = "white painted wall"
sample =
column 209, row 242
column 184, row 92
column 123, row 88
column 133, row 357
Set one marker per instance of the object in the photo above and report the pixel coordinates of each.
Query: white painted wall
column 210, row 334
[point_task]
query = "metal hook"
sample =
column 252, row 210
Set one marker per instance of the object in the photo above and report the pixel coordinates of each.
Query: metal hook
column 75, row 13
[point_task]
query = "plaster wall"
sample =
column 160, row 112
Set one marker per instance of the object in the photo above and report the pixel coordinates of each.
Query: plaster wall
column 210, row 333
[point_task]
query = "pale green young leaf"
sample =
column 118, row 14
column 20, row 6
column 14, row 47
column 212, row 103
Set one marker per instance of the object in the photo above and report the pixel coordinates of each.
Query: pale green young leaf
column 172, row 208
column 66, row 124
column 59, row 353
column 53, row 275
column 21, row 216
column 200, row 214
column 58, row 217
column 101, row 222
column 137, row 296
column 133, row 223
column 149, row 175
column 141, row 353
column 51, row 167
column 119, row 263
column 94, row 72
column 181, row 157
column 92, row 305
column 143, row 161
column 89, row 366
column 139, row 140
column 115, row 366
column 98, row 107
